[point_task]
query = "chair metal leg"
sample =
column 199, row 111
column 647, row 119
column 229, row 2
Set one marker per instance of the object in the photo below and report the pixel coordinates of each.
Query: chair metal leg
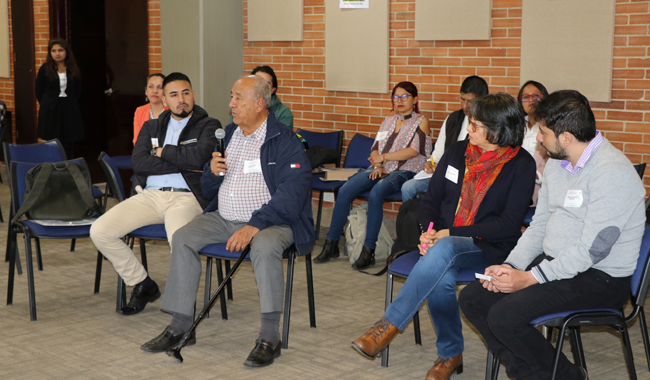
column 644, row 335
column 208, row 283
column 12, row 264
column 629, row 359
column 1, row 218
column 492, row 366
column 310, row 291
column 229, row 283
column 576, row 347
column 287, row 300
column 121, row 294
column 130, row 240
column 389, row 299
column 222, row 298
column 9, row 229
column 30, row 276
column 320, row 211
column 558, row 349
column 72, row 244
column 416, row 328
column 19, row 267
column 98, row 271
column 143, row 254
column 39, row 258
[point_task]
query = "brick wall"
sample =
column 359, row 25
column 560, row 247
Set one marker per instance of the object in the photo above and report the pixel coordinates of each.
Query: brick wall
column 438, row 68
column 155, row 57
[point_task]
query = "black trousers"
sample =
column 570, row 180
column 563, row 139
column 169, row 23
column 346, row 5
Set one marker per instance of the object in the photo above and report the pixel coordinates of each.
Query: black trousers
column 503, row 319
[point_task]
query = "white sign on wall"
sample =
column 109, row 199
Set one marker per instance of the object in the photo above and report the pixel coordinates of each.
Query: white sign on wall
column 354, row 4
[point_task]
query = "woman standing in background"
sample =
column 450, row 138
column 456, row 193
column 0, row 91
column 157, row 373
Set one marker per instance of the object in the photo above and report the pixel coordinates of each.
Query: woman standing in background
column 58, row 88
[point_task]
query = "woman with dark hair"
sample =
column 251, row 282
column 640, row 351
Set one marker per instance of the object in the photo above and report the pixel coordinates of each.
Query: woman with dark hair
column 473, row 209
column 58, row 88
column 153, row 93
column 282, row 113
column 401, row 148
column 529, row 95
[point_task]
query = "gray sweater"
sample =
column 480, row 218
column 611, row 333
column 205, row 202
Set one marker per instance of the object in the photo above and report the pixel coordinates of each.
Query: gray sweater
column 604, row 232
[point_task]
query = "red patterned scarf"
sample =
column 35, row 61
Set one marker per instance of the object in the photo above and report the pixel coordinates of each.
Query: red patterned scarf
column 482, row 170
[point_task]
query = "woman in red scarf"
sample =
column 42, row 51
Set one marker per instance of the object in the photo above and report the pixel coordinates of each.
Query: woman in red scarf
column 477, row 200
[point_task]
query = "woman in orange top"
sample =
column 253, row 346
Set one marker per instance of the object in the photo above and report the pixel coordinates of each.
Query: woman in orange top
column 155, row 107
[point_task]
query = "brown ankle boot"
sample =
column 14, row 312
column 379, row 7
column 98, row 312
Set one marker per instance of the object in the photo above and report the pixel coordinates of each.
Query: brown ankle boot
column 443, row 368
column 376, row 339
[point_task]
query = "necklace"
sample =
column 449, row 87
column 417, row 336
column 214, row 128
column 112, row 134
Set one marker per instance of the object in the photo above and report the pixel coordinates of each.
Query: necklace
column 402, row 118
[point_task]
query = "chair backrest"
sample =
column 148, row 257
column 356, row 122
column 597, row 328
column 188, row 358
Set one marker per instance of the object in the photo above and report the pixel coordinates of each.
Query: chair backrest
column 641, row 275
column 112, row 175
column 49, row 151
column 332, row 140
column 19, row 171
column 640, row 169
column 358, row 152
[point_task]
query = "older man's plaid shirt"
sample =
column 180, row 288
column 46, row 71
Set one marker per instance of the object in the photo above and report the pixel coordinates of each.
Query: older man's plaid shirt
column 242, row 193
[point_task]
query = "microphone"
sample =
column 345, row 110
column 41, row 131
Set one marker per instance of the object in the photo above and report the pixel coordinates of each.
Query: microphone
column 220, row 134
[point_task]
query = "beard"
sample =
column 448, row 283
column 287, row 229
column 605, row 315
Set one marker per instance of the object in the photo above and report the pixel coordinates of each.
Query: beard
column 559, row 154
column 183, row 114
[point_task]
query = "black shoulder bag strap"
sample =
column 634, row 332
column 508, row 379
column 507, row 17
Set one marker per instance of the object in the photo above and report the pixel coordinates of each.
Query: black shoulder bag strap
column 35, row 191
column 82, row 185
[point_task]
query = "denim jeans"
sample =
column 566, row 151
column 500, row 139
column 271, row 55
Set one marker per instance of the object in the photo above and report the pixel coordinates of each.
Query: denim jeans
column 412, row 187
column 434, row 279
column 379, row 190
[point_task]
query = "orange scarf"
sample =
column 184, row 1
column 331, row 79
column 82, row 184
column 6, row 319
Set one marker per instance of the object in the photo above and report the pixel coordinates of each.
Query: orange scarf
column 482, row 171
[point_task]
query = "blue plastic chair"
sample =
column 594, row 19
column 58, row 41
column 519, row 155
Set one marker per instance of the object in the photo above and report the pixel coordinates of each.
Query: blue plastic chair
column 219, row 252
column 332, row 140
column 32, row 229
column 402, row 267
column 150, row 232
column 575, row 319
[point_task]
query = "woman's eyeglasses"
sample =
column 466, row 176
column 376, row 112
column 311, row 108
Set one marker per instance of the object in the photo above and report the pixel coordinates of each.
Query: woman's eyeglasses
column 534, row 97
column 403, row 98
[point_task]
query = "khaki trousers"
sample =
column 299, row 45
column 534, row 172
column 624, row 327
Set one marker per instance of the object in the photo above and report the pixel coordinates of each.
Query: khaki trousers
column 174, row 209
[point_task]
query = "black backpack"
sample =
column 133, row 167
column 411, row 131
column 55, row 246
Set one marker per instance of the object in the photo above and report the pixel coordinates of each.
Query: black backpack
column 58, row 191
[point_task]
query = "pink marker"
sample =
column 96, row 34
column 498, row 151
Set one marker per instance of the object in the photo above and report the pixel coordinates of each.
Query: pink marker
column 429, row 230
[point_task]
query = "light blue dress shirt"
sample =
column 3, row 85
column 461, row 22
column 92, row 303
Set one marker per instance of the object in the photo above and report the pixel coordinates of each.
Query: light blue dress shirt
column 174, row 129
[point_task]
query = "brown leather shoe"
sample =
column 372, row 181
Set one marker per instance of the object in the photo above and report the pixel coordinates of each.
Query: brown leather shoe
column 376, row 339
column 443, row 368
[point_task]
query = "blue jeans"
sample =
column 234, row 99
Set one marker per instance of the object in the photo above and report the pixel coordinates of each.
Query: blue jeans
column 379, row 190
column 434, row 279
column 413, row 186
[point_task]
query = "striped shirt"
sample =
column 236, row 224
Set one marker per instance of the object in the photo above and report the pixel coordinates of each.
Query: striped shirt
column 243, row 190
column 584, row 157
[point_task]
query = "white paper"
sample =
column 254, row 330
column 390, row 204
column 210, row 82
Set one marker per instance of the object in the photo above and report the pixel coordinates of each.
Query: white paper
column 452, row 174
column 381, row 136
column 63, row 223
column 423, row 175
column 484, row 277
column 252, row 166
column 573, row 198
column 349, row 4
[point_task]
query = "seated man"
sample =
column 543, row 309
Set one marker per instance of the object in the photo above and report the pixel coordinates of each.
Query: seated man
column 167, row 161
column 453, row 129
column 265, row 193
column 582, row 245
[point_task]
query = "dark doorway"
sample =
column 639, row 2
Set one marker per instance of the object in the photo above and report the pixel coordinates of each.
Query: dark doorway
column 110, row 41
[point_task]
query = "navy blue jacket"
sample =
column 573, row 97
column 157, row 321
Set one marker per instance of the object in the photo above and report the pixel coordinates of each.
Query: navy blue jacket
column 497, row 225
column 287, row 174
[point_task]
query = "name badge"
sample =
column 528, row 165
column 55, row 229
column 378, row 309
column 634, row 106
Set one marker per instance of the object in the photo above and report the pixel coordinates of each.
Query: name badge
column 252, row 166
column 381, row 136
column 154, row 142
column 573, row 198
column 532, row 141
column 452, row 174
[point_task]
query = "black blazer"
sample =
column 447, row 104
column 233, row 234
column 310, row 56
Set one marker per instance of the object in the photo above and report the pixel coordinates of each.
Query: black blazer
column 58, row 117
column 497, row 225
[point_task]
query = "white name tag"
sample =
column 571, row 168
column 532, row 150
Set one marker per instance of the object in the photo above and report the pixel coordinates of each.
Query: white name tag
column 452, row 174
column 252, row 166
column 154, row 142
column 532, row 141
column 381, row 136
column 573, row 198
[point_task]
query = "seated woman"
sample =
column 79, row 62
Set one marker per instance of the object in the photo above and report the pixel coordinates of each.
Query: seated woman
column 529, row 94
column 153, row 92
column 282, row 113
column 401, row 147
column 476, row 202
